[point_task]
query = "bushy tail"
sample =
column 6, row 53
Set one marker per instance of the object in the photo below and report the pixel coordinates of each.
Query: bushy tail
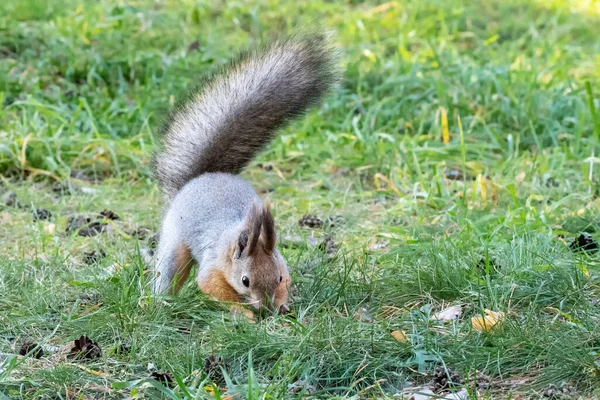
column 237, row 111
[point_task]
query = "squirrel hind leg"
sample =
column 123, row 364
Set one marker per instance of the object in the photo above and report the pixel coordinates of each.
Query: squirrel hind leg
column 173, row 261
column 183, row 265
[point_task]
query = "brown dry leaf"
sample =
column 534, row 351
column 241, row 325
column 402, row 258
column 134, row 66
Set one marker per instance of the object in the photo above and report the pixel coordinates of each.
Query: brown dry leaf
column 449, row 314
column 400, row 336
column 491, row 320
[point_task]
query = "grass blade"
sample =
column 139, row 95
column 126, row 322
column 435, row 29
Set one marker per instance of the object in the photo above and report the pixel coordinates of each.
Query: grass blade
column 595, row 120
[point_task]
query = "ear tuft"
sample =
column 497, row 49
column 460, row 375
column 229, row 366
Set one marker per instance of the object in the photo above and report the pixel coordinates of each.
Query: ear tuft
column 254, row 222
column 242, row 243
column 268, row 226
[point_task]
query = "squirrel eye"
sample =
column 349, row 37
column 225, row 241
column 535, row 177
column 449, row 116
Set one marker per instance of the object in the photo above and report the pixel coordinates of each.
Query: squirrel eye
column 246, row 281
column 280, row 278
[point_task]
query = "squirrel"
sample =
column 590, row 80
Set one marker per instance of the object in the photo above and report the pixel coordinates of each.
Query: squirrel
column 211, row 216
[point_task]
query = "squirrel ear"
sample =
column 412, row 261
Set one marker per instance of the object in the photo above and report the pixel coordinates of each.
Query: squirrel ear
column 254, row 221
column 268, row 225
column 242, row 243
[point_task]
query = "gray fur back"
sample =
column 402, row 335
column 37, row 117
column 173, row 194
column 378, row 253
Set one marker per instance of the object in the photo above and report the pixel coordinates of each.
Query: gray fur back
column 238, row 110
column 225, row 201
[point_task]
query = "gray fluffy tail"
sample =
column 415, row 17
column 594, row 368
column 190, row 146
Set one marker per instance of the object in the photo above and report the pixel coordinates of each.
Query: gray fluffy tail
column 237, row 111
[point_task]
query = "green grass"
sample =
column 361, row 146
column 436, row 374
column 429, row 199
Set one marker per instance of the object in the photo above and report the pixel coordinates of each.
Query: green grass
column 83, row 86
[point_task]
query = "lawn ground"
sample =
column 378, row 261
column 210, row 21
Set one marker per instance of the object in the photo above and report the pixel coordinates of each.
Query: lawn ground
column 453, row 166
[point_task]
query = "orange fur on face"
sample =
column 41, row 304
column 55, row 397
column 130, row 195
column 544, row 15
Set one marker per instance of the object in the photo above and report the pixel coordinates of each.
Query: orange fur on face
column 216, row 285
column 281, row 294
column 253, row 249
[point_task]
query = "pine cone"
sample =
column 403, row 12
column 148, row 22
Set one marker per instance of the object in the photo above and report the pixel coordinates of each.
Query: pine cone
column 84, row 348
column 444, row 379
column 310, row 221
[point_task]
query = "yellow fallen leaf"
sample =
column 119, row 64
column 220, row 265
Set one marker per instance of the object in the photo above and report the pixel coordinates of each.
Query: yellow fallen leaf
column 91, row 371
column 400, row 336
column 491, row 40
column 445, row 132
column 585, row 271
column 517, row 64
column 383, row 7
column 482, row 187
column 210, row 389
column 486, row 323
column 378, row 178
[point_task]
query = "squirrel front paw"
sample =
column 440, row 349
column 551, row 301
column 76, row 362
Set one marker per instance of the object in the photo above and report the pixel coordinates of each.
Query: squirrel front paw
column 284, row 309
column 238, row 312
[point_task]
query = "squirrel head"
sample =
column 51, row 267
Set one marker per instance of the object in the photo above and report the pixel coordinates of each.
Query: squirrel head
column 258, row 272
